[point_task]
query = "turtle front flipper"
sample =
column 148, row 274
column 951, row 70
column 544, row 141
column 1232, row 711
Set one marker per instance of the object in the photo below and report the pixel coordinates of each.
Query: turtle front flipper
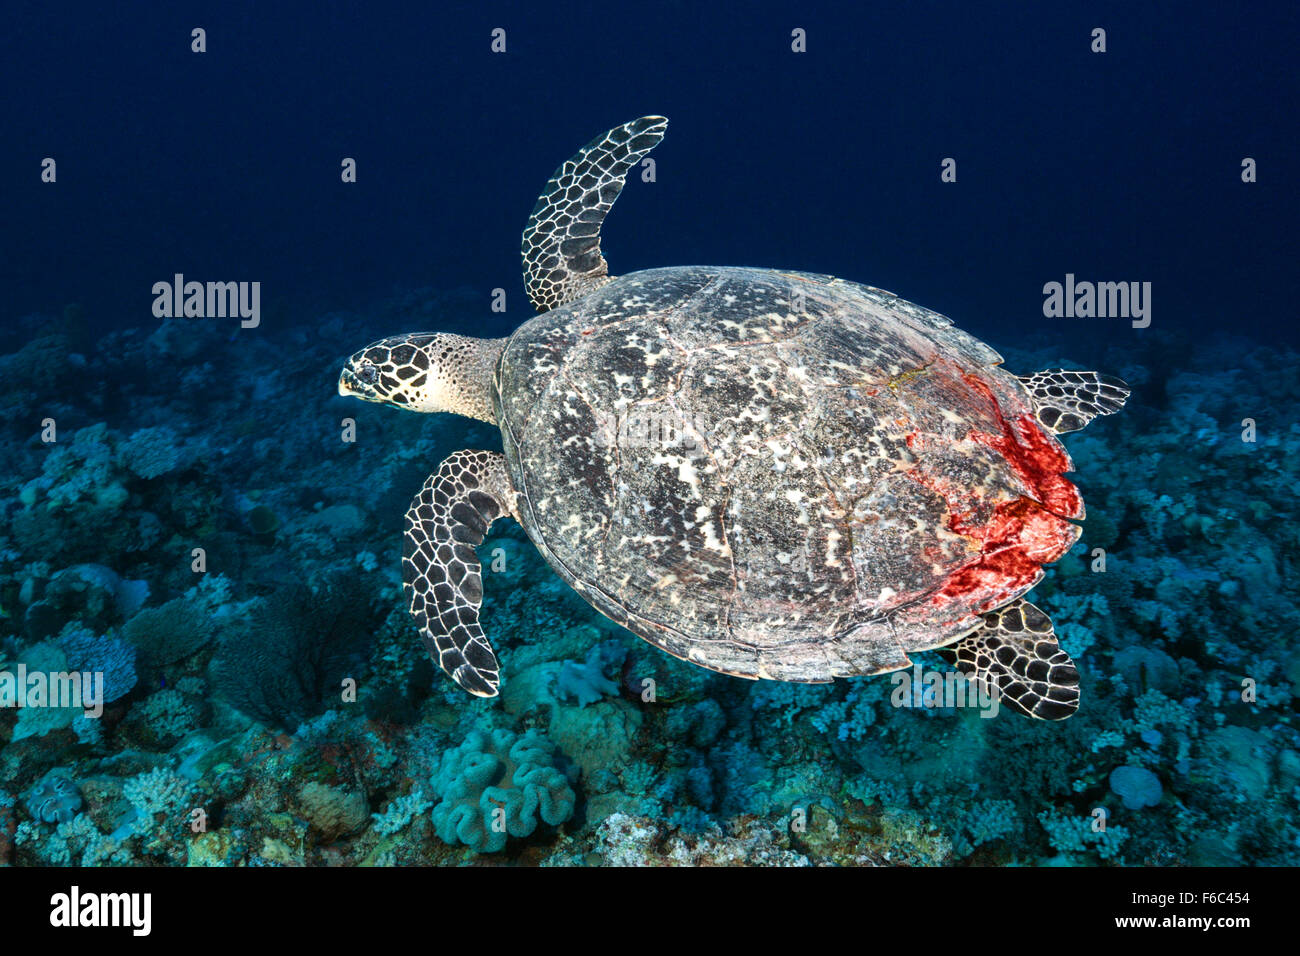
column 1066, row 401
column 446, row 521
column 1015, row 651
column 561, row 247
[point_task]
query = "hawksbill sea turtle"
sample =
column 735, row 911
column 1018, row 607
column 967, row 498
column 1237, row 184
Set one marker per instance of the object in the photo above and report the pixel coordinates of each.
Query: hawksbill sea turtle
column 771, row 474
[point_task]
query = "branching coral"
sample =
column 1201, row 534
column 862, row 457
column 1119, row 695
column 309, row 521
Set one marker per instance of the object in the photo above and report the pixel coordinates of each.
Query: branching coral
column 162, row 800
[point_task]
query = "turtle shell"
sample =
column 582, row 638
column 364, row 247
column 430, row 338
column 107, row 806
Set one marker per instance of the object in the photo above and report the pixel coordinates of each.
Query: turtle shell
column 778, row 474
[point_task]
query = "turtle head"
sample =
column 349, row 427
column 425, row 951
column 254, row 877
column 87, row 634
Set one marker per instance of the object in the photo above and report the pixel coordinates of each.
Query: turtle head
column 425, row 372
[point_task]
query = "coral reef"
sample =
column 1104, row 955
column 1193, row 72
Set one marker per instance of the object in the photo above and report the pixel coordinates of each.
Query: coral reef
column 235, row 582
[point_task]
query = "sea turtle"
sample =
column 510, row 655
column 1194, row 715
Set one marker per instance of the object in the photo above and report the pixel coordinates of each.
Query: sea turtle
column 771, row 474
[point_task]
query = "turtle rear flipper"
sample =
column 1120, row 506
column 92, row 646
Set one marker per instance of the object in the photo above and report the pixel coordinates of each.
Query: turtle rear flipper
column 1015, row 651
column 440, row 568
column 1066, row 401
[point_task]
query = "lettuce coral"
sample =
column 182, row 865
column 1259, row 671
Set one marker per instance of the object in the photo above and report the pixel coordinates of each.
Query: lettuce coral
column 499, row 784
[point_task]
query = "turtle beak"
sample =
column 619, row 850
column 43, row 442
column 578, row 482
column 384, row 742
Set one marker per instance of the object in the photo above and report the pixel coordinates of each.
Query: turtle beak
column 348, row 383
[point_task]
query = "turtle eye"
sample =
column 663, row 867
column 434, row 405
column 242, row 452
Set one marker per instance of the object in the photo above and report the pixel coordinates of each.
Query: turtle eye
column 368, row 373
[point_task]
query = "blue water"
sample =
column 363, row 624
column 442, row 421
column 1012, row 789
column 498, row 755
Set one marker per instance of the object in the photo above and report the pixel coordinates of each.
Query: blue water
column 130, row 441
